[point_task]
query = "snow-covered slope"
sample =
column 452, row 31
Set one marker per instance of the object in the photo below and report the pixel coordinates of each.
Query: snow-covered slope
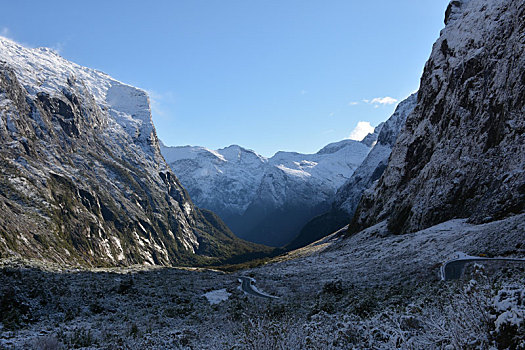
column 349, row 194
column 262, row 199
column 224, row 181
column 82, row 177
column 462, row 151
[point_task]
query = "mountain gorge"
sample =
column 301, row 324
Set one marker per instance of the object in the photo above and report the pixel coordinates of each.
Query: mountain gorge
column 266, row 200
column 82, row 177
column 439, row 187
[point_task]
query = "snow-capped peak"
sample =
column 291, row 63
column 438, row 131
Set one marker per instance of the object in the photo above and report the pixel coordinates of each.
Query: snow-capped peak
column 336, row 146
column 43, row 70
column 233, row 179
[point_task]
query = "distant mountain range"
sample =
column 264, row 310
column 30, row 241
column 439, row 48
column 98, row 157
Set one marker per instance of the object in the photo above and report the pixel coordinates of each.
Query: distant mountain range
column 266, row 200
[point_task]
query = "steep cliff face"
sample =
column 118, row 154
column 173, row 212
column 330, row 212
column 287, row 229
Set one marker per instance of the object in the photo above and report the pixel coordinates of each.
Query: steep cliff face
column 266, row 200
column 363, row 178
column 462, row 151
column 82, row 177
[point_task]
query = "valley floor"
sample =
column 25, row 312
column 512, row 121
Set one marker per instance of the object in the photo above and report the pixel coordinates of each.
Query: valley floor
column 367, row 291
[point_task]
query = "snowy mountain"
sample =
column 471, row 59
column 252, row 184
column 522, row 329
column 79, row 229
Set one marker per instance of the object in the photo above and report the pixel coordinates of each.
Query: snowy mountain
column 370, row 170
column 226, row 179
column 462, row 151
column 82, row 177
column 265, row 200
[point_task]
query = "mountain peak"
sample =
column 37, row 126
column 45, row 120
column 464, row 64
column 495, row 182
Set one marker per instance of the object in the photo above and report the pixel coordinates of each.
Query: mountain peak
column 248, row 189
column 337, row 146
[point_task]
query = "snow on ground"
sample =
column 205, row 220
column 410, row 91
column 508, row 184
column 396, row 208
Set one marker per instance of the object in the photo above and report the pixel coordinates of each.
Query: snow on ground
column 370, row 258
column 366, row 291
column 216, row 296
column 511, row 302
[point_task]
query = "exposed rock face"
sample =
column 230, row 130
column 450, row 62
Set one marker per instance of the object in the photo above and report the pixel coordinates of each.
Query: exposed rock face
column 370, row 170
column 266, row 200
column 462, row 152
column 82, row 177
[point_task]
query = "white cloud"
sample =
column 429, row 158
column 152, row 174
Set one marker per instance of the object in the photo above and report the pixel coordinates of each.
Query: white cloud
column 361, row 130
column 382, row 100
column 353, row 103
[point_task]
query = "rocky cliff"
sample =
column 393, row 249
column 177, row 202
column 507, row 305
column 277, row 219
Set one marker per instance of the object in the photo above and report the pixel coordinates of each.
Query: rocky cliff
column 82, row 177
column 266, row 200
column 462, row 151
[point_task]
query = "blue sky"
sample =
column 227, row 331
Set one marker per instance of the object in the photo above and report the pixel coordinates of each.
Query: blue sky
column 268, row 75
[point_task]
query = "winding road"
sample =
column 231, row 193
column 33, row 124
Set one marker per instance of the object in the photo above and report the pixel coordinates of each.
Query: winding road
column 248, row 288
column 453, row 269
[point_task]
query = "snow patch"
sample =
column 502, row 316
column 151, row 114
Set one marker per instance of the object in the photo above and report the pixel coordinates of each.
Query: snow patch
column 293, row 172
column 216, row 296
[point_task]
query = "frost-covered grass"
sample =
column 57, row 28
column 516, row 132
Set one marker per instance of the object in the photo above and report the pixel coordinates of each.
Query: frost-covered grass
column 368, row 291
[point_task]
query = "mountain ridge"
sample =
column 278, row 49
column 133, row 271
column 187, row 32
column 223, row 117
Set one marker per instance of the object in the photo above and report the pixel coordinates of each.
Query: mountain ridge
column 255, row 195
